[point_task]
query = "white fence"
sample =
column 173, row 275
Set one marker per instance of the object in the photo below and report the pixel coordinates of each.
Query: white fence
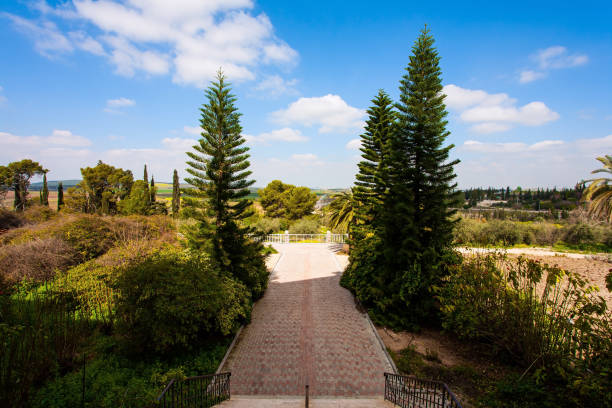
column 295, row 238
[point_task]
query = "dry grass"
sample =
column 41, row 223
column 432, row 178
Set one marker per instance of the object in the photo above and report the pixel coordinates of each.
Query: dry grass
column 37, row 260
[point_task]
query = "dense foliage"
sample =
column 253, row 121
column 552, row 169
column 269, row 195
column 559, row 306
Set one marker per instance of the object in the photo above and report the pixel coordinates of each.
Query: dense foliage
column 599, row 192
column 17, row 175
column 503, row 233
column 219, row 175
column 280, row 200
column 547, row 320
column 404, row 197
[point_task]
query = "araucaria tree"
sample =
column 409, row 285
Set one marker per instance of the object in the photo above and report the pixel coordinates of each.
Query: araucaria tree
column 368, row 275
column 176, row 195
column 219, row 175
column 429, row 176
column 404, row 196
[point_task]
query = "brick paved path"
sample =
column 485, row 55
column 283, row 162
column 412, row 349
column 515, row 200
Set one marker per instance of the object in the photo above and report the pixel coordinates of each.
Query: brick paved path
column 307, row 329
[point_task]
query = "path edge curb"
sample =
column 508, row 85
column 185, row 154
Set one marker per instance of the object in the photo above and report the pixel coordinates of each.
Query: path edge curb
column 233, row 343
column 381, row 343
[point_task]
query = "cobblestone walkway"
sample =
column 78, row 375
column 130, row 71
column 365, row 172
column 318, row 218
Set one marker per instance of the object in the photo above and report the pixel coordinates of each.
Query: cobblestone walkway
column 307, row 330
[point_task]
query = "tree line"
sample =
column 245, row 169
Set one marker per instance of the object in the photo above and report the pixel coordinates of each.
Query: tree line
column 104, row 189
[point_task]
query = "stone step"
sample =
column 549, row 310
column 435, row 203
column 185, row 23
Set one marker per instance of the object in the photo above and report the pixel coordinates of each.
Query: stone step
column 248, row 401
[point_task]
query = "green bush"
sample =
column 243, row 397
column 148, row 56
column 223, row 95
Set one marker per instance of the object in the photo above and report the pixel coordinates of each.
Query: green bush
column 545, row 319
column 112, row 380
column 39, row 334
column 90, row 236
column 304, row 226
column 268, row 225
column 579, row 234
column 175, row 298
column 38, row 213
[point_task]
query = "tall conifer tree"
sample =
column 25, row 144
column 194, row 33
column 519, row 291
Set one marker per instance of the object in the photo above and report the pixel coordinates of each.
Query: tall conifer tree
column 366, row 274
column 60, row 196
column 428, row 174
column 145, row 177
column 372, row 180
column 176, row 195
column 219, row 176
column 153, row 190
column 45, row 191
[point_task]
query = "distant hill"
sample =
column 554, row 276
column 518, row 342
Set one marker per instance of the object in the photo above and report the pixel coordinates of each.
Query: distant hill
column 52, row 184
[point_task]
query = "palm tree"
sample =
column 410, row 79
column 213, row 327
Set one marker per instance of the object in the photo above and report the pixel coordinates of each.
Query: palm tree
column 599, row 192
column 341, row 211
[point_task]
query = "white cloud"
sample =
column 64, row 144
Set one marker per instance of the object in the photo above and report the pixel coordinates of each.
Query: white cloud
column 84, row 42
column 515, row 147
column 530, row 76
column 330, row 113
column 115, row 105
column 539, row 164
column 48, row 40
column 306, row 157
column 354, row 144
column 179, row 143
column 57, row 137
column 192, row 130
column 274, row 86
column 491, row 113
column 190, row 38
column 279, row 135
column 120, row 102
column 557, row 57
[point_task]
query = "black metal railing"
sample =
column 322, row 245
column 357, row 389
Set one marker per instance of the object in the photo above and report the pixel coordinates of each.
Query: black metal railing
column 411, row 392
column 202, row 391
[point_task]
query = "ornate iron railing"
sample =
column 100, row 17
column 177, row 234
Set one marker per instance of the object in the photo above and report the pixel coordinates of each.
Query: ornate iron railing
column 202, row 391
column 411, row 392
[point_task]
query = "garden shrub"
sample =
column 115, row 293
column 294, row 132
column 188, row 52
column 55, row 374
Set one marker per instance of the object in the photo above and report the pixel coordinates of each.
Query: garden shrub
column 267, row 225
column 547, row 320
column 40, row 332
column 113, row 380
column 37, row 260
column 38, row 213
column 9, row 219
column 89, row 235
column 174, row 298
column 579, row 234
column 304, row 226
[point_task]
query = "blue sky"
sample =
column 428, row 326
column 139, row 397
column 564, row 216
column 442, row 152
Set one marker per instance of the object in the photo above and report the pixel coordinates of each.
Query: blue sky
column 528, row 83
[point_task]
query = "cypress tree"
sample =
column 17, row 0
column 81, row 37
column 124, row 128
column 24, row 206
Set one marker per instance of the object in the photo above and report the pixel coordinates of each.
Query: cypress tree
column 153, row 191
column 427, row 175
column 146, row 180
column 45, row 191
column 219, row 175
column 40, row 196
column 60, row 196
column 176, row 195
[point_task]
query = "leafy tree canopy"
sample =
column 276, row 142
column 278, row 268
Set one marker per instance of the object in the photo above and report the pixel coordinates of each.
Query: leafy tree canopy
column 280, row 200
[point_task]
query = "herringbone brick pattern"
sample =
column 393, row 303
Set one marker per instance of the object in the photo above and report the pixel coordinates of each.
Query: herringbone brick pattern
column 307, row 330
